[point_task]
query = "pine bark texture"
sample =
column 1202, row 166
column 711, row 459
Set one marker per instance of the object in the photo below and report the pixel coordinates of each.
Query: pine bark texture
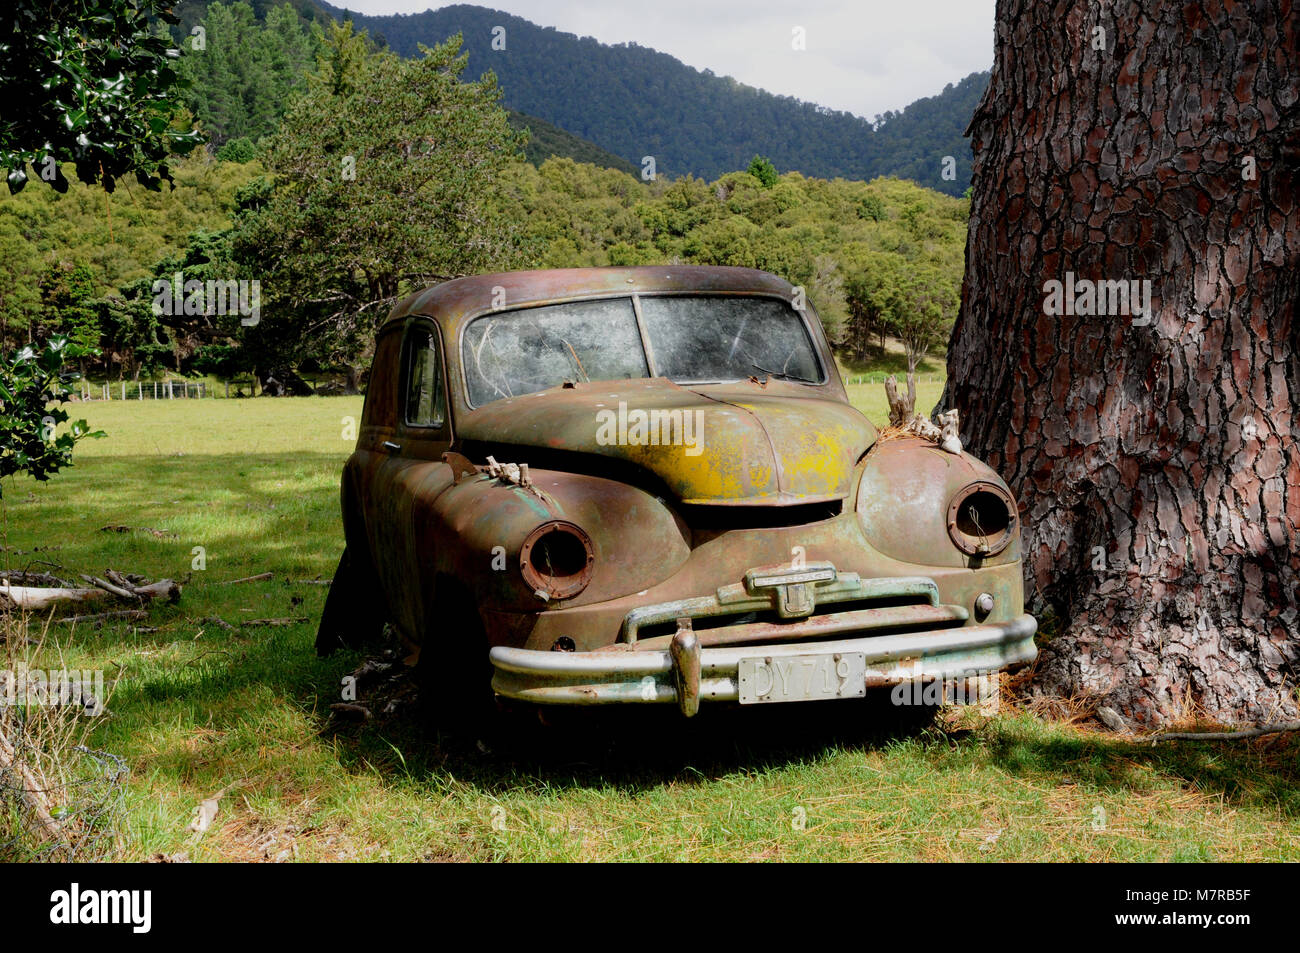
column 1157, row 465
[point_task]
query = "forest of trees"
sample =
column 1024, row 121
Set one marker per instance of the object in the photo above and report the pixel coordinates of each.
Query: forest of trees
column 877, row 258
column 634, row 101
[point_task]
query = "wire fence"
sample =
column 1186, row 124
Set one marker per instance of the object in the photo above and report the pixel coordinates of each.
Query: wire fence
column 144, row 390
column 173, row 389
column 87, row 789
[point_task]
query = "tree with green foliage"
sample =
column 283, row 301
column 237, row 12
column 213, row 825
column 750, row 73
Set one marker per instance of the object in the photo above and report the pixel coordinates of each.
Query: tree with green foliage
column 763, row 170
column 132, row 331
column 118, row 237
column 238, row 150
column 243, row 74
column 30, row 382
column 872, row 297
column 913, row 301
column 68, row 299
column 87, row 82
column 928, row 303
column 388, row 177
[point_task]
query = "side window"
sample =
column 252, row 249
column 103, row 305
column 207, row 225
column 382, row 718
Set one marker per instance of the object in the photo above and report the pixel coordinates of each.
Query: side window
column 422, row 379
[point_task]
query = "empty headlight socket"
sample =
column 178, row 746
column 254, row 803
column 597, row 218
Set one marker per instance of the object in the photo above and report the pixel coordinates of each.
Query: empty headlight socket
column 557, row 560
column 982, row 519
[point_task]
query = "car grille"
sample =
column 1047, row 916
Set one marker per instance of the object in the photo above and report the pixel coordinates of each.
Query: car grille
column 745, row 615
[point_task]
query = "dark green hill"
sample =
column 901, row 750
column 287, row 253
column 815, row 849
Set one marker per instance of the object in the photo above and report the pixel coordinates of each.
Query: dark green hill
column 634, row 101
column 546, row 140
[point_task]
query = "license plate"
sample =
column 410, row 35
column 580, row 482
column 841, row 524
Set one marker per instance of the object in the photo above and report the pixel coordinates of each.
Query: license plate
column 802, row 678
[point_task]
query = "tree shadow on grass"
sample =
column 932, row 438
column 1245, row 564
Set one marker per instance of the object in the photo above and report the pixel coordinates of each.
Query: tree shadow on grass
column 1260, row 773
column 641, row 749
column 634, row 750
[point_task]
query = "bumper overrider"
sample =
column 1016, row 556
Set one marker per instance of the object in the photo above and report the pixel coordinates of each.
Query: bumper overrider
column 809, row 651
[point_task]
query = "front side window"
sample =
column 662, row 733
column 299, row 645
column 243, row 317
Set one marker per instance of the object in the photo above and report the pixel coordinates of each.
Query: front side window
column 511, row 353
column 424, row 397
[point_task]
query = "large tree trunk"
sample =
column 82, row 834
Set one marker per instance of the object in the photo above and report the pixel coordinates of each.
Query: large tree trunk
column 1156, row 465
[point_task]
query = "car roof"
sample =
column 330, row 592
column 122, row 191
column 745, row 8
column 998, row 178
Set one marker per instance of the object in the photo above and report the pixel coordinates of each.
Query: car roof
column 453, row 302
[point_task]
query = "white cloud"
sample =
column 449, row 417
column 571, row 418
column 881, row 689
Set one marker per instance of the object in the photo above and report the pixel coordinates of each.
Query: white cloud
column 863, row 56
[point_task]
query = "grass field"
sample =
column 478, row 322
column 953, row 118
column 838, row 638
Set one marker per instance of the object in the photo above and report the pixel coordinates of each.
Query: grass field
column 197, row 709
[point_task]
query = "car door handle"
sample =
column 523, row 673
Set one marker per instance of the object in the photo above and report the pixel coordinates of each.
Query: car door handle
column 392, row 447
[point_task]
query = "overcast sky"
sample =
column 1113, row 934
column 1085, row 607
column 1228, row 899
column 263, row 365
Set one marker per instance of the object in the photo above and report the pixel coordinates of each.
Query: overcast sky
column 864, row 56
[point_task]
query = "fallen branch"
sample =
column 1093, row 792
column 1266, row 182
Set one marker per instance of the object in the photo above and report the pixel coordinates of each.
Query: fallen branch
column 121, row 586
column 124, row 588
column 33, row 597
column 158, row 533
column 221, row 622
column 253, row 622
column 25, row 577
column 356, row 711
column 1226, row 735
column 260, row 577
column 31, row 791
column 102, row 616
column 310, row 582
column 112, row 588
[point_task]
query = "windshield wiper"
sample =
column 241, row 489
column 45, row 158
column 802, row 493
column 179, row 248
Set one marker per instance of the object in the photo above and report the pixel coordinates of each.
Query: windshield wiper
column 783, row 375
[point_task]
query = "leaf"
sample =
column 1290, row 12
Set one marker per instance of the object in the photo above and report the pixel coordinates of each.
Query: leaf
column 206, row 812
column 17, row 180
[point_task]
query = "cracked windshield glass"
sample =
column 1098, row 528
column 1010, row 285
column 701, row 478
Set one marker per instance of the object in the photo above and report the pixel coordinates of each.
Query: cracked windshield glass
column 695, row 339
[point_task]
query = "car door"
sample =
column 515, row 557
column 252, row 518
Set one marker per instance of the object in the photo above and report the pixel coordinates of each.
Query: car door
column 412, row 475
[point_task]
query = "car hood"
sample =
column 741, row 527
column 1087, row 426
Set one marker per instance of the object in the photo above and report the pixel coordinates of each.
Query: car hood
column 740, row 444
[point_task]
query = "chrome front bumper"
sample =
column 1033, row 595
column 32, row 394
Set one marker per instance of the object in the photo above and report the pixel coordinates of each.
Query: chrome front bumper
column 687, row 674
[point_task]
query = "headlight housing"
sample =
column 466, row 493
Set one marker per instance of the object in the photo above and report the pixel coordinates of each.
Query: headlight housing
column 557, row 560
column 982, row 519
column 915, row 502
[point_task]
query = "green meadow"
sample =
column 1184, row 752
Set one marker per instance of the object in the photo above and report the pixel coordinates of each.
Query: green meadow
column 198, row 708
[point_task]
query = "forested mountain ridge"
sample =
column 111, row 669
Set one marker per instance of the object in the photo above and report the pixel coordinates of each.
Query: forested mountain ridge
column 283, row 105
column 546, row 141
column 635, row 102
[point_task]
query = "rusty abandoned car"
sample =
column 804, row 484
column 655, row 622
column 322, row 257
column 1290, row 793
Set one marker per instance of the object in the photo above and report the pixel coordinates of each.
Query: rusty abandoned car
column 647, row 485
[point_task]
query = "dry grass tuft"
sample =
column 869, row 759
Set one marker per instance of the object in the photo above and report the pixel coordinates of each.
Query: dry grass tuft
column 58, row 797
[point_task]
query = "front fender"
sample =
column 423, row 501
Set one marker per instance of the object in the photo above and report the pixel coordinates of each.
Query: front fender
column 903, row 499
column 476, row 528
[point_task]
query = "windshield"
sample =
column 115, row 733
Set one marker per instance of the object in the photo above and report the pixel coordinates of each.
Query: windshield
column 519, row 352
column 694, row 339
column 700, row 339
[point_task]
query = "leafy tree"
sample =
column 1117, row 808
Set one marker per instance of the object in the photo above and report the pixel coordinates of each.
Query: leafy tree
column 85, row 81
column 870, row 207
column 242, row 77
column 68, row 293
column 928, row 303
column 30, row 382
column 388, row 177
column 238, row 150
column 763, row 170
column 118, row 237
column 132, row 330
column 872, row 296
